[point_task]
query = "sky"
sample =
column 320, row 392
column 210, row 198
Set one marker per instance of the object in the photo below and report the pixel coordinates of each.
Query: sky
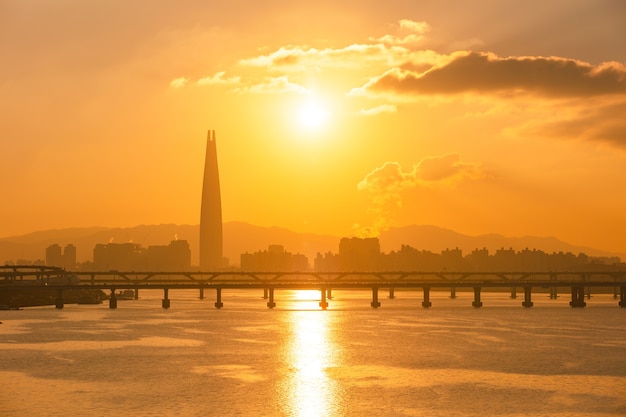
column 342, row 118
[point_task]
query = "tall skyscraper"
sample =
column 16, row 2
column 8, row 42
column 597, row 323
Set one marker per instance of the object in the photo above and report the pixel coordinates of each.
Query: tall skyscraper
column 211, row 257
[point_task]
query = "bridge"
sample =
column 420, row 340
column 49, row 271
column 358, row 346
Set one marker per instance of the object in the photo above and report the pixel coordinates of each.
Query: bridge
column 33, row 278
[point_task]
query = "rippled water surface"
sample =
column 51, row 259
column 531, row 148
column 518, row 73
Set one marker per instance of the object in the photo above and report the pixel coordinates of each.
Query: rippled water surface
column 296, row 360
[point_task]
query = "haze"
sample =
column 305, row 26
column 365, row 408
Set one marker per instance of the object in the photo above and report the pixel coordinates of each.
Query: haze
column 507, row 117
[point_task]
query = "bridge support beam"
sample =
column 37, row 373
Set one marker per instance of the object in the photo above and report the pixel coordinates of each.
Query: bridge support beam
column 513, row 293
column 137, row 293
column 588, row 293
column 329, row 293
column 113, row 299
column 323, row 302
column 426, row 303
column 59, row 300
column 218, row 298
column 578, row 297
column 271, row 303
column 622, row 297
column 375, row 303
column 392, row 293
column 201, row 296
column 527, row 302
column 265, row 294
column 477, row 303
column 453, row 292
column 166, row 301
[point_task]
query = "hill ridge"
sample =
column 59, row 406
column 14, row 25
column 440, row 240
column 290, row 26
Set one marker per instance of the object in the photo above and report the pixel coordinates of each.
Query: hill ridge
column 241, row 237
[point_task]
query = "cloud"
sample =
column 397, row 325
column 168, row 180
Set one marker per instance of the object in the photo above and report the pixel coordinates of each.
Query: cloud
column 274, row 85
column 385, row 108
column 599, row 122
column 413, row 26
column 465, row 72
column 385, row 184
column 218, row 78
column 355, row 57
column 298, row 57
column 448, row 169
column 415, row 35
column 179, row 82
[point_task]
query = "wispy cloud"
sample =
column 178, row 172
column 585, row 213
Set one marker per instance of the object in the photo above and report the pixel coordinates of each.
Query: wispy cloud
column 274, row 85
column 412, row 33
column 598, row 122
column 218, row 78
column 467, row 72
column 384, row 108
column 179, row 82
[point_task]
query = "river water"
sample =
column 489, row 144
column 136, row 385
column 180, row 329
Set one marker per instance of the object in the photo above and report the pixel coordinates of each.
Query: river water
column 297, row 360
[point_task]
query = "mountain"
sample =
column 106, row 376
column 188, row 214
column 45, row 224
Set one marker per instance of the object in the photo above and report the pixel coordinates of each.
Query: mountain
column 240, row 237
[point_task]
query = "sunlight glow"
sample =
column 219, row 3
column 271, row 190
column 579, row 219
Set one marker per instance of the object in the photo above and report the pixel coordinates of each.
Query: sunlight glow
column 313, row 115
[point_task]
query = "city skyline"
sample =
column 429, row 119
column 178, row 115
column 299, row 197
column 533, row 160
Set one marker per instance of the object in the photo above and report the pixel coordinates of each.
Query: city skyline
column 344, row 120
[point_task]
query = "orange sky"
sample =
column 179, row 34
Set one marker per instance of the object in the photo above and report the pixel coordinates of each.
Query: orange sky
column 507, row 118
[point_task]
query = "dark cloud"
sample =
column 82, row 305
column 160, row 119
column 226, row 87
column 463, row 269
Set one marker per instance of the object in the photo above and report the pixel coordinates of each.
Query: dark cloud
column 486, row 73
column 600, row 123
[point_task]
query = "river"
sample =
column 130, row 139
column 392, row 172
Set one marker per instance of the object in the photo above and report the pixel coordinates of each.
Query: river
column 297, row 360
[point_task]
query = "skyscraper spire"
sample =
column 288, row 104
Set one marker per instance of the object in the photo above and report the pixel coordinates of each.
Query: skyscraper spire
column 211, row 252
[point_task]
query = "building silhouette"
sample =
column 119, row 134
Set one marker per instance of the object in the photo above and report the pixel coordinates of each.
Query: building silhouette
column 274, row 259
column 118, row 256
column 69, row 257
column 65, row 258
column 211, row 252
column 54, row 256
column 133, row 257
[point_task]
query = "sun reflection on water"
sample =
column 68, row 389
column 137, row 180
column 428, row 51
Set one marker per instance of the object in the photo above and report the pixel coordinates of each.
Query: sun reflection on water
column 311, row 352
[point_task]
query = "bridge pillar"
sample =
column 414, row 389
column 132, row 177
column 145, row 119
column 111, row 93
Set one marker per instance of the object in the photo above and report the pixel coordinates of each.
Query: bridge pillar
column 426, row 303
column 477, row 303
column 137, row 293
column 392, row 293
column 622, row 297
column 323, row 302
column 513, row 293
column 578, row 297
column 166, row 301
column 453, row 292
column 271, row 303
column 265, row 293
column 588, row 293
column 329, row 293
column 375, row 303
column 59, row 300
column 201, row 293
column 527, row 303
column 554, row 293
column 218, row 298
column 113, row 299
column 554, row 289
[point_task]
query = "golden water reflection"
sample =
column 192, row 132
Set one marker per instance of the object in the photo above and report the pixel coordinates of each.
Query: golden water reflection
column 311, row 352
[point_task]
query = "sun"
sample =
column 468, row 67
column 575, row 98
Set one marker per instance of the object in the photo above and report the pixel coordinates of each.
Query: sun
column 312, row 115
